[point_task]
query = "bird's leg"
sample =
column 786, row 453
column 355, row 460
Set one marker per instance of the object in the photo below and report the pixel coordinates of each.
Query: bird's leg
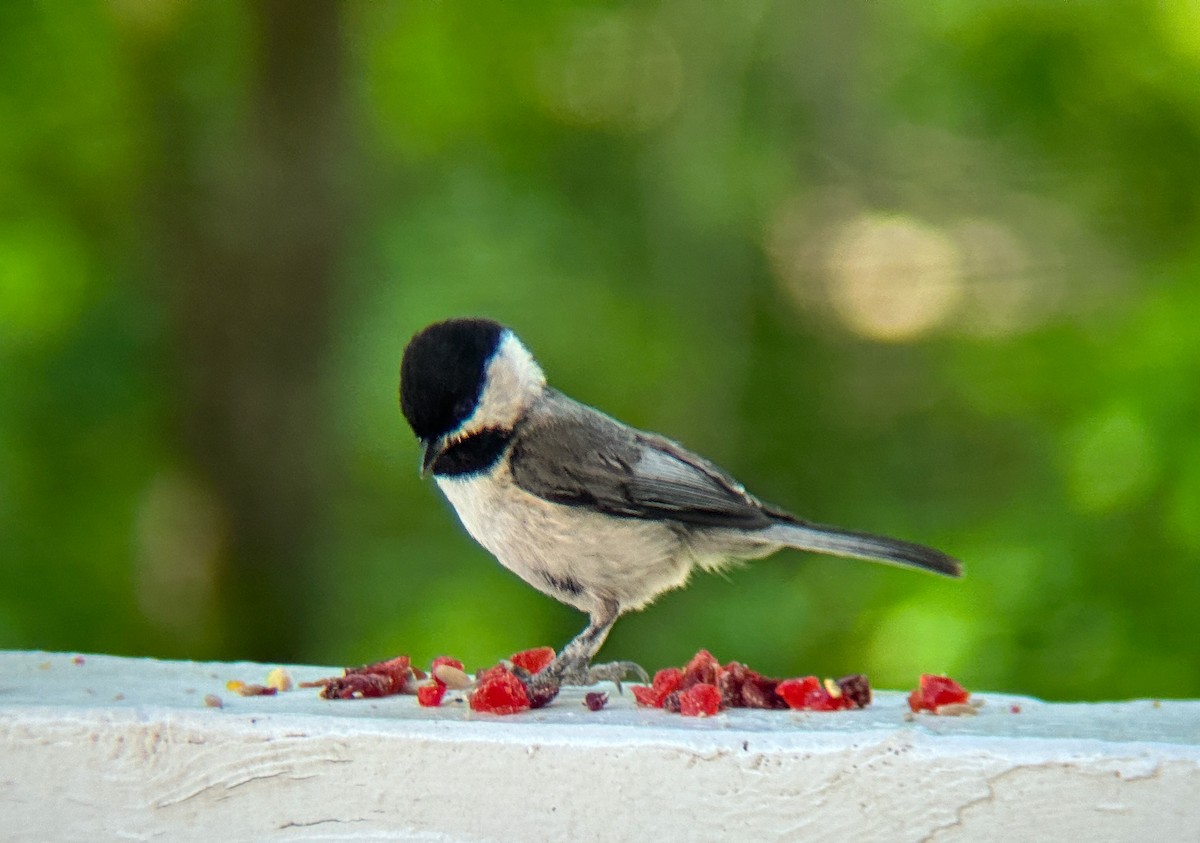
column 573, row 666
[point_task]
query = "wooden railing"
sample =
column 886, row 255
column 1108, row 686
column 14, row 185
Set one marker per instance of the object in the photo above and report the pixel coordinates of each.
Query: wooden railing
column 106, row 748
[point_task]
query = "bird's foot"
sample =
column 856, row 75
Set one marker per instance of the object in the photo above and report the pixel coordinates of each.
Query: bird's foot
column 580, row 673
column 616, row 672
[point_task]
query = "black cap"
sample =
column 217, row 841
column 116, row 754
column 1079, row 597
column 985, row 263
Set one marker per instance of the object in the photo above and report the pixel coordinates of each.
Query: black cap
column 442, row 374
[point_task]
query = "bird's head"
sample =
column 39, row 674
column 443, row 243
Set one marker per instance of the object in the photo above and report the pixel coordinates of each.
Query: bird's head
column 465, row 376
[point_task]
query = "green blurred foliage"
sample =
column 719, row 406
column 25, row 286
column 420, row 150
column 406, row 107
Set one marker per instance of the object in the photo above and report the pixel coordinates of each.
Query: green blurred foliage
column 924, row 269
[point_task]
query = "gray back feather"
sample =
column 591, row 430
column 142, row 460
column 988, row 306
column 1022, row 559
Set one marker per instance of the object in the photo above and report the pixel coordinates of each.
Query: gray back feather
column 571, row 454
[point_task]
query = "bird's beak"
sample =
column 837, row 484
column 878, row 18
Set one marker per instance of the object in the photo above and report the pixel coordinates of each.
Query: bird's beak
column 430, row 451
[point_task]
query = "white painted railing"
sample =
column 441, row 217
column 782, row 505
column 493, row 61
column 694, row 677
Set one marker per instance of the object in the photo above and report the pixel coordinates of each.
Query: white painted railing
column 115, row 748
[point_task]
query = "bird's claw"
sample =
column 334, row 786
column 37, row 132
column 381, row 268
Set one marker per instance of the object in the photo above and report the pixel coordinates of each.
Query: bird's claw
column 558, row 674
column 615, row 672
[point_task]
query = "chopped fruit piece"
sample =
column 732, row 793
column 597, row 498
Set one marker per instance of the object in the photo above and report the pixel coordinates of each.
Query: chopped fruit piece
column 1014, row 709
column 541, row 693
column 646, row 696
column 701, row 669
column 279, row 679
column 533, row 660
column 499, row 691
column 933, row 692
column 673, row 702
column 595, row 700
column 431, row 695
column 810, row 694
column 856, row 688
column 700, row 700
column 760, row 692
column 213, row 701
column 730, row 680
column 742, row 687
column 78, row 660
column 666, row 681
column 797, row 692
column 380, row 679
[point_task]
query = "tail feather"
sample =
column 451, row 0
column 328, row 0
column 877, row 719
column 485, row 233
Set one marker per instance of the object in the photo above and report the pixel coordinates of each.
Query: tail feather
column 838, row 542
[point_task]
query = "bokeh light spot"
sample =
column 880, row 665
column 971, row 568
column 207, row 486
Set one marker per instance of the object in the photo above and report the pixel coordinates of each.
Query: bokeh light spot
column 892, row 278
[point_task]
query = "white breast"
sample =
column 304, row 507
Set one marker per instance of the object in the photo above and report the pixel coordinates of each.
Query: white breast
column 625, row 559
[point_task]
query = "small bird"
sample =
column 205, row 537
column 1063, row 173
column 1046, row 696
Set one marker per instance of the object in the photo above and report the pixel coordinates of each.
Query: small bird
column 590, row 511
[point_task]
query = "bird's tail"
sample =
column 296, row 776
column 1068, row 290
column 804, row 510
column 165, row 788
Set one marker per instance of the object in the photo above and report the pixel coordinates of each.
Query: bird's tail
column 838, row 542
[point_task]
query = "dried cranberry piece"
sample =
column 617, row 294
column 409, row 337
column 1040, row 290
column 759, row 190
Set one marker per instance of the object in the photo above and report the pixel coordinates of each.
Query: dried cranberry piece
column 701, row 669
column 541, row 694
column 646, row 696
column 499, row 692
column 700, row 700
column 934, row 691
column 799, row 693
column 595, row 700
column 731, row 679
column 759, row 692
column 380, row 679
column 856, row 688
column 810, row 694
column 533, row 660
column 665, row 682
column 431, row 695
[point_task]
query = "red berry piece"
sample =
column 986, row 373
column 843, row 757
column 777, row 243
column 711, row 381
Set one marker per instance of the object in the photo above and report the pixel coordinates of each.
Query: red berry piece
column 542, row 693
column 810, row 694
column 799, row 693
column 856, row 688
column 731, row 681
column 760, row 692
column 431, row 695
column 595, row 700
column 666, row 681
column 533, row 660
column 380, row 679
column 499, row 692
column 700, row 700
column 701, row 669
column 934, row 691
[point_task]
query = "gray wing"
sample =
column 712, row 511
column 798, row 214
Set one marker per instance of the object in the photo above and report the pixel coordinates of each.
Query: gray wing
column 568, row 453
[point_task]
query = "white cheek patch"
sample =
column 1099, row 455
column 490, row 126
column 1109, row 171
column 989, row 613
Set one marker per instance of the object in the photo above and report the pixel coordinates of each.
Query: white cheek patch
column 512, row 383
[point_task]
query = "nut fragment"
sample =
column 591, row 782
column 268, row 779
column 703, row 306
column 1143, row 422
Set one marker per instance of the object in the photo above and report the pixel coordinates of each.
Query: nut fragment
column 452, row 677
column 966, row 709
column 279, row 679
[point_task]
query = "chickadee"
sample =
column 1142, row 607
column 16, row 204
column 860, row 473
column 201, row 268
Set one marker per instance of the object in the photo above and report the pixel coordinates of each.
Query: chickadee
column 592, row 512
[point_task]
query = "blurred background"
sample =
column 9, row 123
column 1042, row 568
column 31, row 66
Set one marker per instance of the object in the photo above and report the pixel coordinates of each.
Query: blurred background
column 928, row 269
